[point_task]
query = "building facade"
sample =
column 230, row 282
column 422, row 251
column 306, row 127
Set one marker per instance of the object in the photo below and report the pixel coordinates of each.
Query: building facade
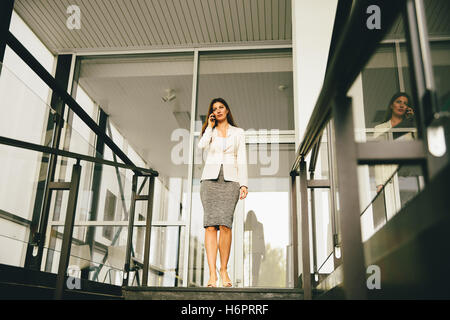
column 102, row 106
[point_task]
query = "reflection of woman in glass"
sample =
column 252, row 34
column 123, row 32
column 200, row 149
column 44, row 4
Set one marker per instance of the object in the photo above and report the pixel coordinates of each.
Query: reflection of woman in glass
column 223, row 183
column 399, row 115
column 257, row 246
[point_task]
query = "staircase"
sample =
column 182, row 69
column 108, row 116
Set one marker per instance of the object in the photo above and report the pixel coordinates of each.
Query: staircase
column 27, row 284
column 170, row 293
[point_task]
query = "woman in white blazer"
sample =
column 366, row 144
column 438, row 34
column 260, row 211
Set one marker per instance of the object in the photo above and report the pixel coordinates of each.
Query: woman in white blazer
column 399, row 115
column 222, row 184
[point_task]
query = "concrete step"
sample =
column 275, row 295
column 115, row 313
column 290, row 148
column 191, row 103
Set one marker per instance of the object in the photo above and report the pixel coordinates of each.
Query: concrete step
column 163, row 293
column 21, row 283
column 14, row 291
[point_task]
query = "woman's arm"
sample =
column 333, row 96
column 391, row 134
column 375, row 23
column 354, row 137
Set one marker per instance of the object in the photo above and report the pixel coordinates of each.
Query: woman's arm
column 242, row 160
column 206, row 138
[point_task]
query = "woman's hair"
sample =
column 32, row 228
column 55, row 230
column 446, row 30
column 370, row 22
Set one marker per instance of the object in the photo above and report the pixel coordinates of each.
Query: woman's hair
column 210, row 110
column 388, row 115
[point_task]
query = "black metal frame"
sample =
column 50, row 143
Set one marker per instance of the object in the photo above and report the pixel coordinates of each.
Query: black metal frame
column 96, row 180
column 306, row 269
column 73, row 155
column 60, row 98
column 41, row 208
column 313, row 184
column 148, row 227
column 344, row 66
column 73, row 187
column 6, row 10
column 34, row 64
column 294, row 224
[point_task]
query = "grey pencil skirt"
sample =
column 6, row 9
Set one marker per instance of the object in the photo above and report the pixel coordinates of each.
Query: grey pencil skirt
column 219, row 199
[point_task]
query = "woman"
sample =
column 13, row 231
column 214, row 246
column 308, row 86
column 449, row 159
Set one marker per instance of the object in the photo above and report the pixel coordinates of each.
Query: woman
column 223, row 183
column 398, row 115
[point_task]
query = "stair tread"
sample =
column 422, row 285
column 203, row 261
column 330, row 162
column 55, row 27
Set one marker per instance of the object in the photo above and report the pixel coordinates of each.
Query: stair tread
column 205, row 289
column 204, row 293
column 67, row 291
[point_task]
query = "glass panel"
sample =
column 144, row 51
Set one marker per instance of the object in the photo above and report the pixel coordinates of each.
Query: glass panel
column 257, row 85
column 13, row 240
column 322, row 170
column 400, row 184
column 266, row 212
column 261, row 221
column 323, row 229
column 106, row 201
column 102, row 261
column 166, row 255
column 198, row 266
column 381, row 95
column 34, row 45
column 23, row 114
column 114, row 190
column 440, row 57
column 335, row 185
column 437, row 13
column 320, row 212
column 148, row 99
column 384, row 111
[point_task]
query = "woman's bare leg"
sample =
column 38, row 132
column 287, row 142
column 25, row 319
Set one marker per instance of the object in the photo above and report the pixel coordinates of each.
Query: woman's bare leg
column 224, row 250
column 211, row 253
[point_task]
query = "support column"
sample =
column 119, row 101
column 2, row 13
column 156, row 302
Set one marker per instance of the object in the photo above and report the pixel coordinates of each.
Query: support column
column 96, row 184
column 55, row 123
column 294, row 225
column 68, row 231
column 349, row 213
column 148, row 230
column 126, row 270
column 306, row 272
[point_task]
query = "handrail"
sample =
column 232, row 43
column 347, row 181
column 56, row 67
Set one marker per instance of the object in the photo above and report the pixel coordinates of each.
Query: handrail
column 73, row 155
column 381, row 191
column 325, row 261
column 34, row 64
column 355, row 47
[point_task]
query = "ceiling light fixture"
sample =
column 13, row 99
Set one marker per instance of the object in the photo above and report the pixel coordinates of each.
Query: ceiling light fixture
column 170, row 95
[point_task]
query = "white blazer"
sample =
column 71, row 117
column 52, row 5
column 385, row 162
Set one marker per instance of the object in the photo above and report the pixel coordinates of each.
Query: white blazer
column 385, row 171
column 233, row 158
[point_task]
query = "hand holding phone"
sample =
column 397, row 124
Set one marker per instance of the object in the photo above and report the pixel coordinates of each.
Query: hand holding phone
column 212, row 120
column 409, row 112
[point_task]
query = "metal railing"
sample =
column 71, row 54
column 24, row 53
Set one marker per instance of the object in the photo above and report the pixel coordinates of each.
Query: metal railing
column 37, row 235
column 355, row 45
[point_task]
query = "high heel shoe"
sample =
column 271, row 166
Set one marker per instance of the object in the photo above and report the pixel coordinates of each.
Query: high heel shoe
column 212, row 284
column 224, row 284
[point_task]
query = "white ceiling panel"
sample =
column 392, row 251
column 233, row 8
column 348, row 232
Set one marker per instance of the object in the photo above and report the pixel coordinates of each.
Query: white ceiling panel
column 150, row 24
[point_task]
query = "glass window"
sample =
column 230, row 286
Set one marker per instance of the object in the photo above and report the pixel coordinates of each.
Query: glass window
column 257, row 85
column 26, row 36
column 436, row 15
column 24, row 112
column 384, row 111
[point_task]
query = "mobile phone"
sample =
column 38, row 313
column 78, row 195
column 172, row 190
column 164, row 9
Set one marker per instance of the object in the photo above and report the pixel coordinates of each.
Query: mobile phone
column 409, row 112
